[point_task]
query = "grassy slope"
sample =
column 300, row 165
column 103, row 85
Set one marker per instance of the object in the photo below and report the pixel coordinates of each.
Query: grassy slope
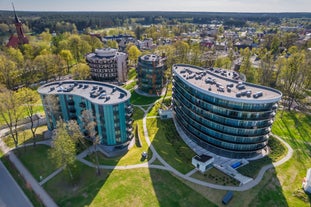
column 169, row 145
column 295, row 128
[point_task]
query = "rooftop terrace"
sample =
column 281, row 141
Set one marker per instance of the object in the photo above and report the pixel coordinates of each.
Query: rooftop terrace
column 225, row 83
column 96, row 92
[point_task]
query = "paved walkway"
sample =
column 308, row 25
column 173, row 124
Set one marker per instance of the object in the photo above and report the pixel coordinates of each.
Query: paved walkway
column 248, row 183
column 165, row 166
column 41, row 193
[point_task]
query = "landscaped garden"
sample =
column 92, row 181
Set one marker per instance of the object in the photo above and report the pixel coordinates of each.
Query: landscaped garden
column 215, row 176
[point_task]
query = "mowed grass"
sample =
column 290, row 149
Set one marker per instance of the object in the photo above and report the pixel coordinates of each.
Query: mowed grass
column 136, row 187
column 154, row 110
column 132, row 74
column 36, row 160
column 169, row 145
column 26, row 136
column 138, row 99
column 295, row 128
column 277, row 152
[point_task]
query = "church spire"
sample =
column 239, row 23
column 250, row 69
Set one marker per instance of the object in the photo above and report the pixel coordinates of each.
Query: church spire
column 15, row 15
column 20, row 39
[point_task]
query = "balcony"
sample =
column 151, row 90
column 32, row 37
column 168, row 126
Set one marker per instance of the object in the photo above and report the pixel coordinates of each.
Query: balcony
column 129, row 110
column 275, row 106
column 71, row 102
column 130, row 136
column 72, row 110
column 130, row 129
column 128, row 115
column 82, row 104
column 73, row 117
column 129, row 122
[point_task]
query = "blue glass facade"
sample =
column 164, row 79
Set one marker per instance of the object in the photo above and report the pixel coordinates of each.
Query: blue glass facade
column 150, row 74
column 111, row 109
column 227, row 126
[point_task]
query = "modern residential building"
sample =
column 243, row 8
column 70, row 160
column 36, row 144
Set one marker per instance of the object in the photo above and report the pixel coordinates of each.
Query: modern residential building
column 150, row 74
column 221, row 113
column 108, row 64
column 110, row 106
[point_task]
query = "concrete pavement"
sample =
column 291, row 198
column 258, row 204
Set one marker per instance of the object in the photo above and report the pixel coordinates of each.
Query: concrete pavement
column 41, row 193
column 11, row 195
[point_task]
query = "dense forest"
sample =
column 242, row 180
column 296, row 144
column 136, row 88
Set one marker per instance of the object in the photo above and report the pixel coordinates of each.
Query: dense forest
column 39, row 21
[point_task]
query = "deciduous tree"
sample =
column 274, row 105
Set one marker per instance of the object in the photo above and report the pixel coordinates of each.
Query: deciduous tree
column 80, row 71
column 90, row 126
column 30, row 98
column 11, row 112
column 63, row 150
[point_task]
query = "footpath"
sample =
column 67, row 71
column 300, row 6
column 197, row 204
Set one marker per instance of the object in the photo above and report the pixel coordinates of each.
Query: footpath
column 37, row 188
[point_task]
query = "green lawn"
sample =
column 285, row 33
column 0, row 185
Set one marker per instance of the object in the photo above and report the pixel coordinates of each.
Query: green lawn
column 277, row 152
column 137, row 187
column 36, row 160
column 132, row 74
column 154, row 109
column 295, row 128
column 37, row 108
column 130, row 86
column 26, row 136
column 169, row 145
column 137, row 99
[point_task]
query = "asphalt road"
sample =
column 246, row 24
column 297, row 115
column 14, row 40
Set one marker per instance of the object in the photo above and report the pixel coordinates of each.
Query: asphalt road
column 11, row 194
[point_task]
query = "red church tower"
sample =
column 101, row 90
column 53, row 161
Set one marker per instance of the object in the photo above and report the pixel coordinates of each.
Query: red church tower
column 20, row 39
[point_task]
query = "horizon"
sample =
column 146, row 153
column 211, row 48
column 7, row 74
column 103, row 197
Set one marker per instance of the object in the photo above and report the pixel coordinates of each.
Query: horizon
column 226, row 6
column 69, row 11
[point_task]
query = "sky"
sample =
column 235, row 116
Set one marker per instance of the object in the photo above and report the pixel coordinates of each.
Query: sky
column 160, row 5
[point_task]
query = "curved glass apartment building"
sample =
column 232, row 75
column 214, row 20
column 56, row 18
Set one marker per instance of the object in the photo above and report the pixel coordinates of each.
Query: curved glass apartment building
column 221, row 113
column 150, row 74
column 110, row 105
